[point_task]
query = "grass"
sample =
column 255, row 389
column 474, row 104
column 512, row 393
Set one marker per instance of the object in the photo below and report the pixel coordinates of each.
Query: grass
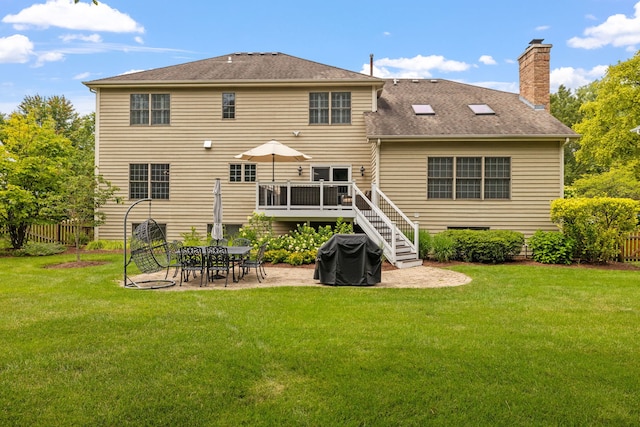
column 520, row 345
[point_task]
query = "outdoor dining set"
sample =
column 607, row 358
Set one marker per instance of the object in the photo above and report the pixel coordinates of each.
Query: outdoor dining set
column 218, row 260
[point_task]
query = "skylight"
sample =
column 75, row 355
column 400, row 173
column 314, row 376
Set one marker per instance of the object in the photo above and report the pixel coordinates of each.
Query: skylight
column 481, row 109
column 423, row 110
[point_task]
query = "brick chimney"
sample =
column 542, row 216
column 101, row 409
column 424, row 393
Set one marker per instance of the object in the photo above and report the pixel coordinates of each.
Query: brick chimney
column 534, row 74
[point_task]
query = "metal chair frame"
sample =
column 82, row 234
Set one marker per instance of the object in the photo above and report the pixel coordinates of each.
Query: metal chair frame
column 192, row 260
column 218, row 260
column 256, row 263
column 150, row 252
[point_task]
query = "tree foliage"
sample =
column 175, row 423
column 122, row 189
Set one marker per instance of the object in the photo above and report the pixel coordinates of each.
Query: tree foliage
column 620, row 181
column 33, row 165
column 606, row 138
column 566, row 107
column 47, row 171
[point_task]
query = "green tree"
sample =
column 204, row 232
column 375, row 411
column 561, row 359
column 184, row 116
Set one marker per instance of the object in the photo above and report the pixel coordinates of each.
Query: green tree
column 56, row 108
column 606, row 138
column 620, row 182
column 33, row 165
column 566, row 107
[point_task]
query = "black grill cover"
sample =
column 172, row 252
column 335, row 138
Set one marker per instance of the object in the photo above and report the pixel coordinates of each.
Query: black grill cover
column 349, row 259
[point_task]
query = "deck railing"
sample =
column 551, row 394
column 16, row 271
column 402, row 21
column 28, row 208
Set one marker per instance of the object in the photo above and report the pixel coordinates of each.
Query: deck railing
column 316, row 195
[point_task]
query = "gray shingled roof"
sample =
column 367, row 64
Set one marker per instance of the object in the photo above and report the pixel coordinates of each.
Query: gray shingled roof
column 396, row 118
column 241, row 67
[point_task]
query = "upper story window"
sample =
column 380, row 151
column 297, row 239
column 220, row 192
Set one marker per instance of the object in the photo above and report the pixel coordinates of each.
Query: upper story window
column 469, row 178
column 228, row 105
column 239, row 172
column 338, row 111
column 148, row 180
column 150, row 109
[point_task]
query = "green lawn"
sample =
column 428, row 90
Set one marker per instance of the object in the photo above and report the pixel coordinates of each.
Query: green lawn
column 520, row 345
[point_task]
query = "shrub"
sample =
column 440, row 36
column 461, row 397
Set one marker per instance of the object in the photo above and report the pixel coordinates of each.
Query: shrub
column 487, row 246
column 41, row 249
column 193, row 238
column 443, row 247
column 276, row 255
column 108, row 245
column 259, row 229
column 295, row 258
column 425, row 244
column 598, row 226
column 551, row 247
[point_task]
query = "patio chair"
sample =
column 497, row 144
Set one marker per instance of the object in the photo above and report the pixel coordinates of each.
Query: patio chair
column 256, row 263
column 241, row 241
column 217, row 261
column 218, row 242
column 192, row 260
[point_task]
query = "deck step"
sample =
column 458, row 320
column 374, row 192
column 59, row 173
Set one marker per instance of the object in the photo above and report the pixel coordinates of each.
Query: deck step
column 409, row 263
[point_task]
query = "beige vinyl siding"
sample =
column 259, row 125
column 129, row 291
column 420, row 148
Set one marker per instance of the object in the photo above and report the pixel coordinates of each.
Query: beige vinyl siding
column 536, row 180
column 262, row 114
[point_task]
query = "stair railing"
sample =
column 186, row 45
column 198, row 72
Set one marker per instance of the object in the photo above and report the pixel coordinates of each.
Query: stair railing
column 407, row 227
column 360, row 203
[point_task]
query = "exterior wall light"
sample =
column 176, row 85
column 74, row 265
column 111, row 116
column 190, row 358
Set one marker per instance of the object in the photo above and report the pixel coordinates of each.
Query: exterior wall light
column 299, row 170
column 361, row 170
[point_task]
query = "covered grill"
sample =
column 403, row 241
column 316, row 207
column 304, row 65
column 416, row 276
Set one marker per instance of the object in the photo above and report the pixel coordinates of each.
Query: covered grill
column 349, row 259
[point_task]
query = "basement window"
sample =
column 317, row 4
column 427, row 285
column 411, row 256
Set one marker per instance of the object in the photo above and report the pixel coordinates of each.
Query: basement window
column 481, row 110
column 423, row 110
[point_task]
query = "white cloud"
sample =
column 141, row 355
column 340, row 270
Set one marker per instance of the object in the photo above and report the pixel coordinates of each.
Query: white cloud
column 51, row 56
column 15, row 49
column 386, row 33
column 93, row 38
column 503, row 86
column 82, row 76
column 138, row 40
column 130, row 72
column 487, row 60
column 542, row 28
column 618, row 31
column 574, row 78
column 80, row 16
column 417, row 67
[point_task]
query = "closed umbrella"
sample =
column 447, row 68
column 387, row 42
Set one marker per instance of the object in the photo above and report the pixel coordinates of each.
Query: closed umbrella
column 273, row 151
column 216, row 231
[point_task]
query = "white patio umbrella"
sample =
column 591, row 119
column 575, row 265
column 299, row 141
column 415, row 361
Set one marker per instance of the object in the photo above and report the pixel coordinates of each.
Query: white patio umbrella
column 273, row 151
column 216, row 231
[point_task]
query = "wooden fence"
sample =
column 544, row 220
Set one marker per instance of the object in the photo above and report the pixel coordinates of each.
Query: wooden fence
column 630, row 251
column 58, row 233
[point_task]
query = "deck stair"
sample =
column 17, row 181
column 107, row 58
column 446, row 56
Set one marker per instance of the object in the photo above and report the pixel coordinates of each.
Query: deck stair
column 382, row 221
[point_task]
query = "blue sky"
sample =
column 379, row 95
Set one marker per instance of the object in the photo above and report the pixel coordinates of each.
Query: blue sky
column 49, row 47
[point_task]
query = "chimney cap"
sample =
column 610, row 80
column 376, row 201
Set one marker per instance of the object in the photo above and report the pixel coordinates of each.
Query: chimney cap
column 536, row 41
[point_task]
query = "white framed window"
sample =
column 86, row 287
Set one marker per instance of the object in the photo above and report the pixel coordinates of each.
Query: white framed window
column 149, row 109
column 338, row 111
column 242, row 172
column 148, row 180
column 228, row 105
column 480, row 178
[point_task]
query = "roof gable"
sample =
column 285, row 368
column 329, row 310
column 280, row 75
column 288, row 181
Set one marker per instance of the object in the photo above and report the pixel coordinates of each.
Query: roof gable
column 453, row 117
